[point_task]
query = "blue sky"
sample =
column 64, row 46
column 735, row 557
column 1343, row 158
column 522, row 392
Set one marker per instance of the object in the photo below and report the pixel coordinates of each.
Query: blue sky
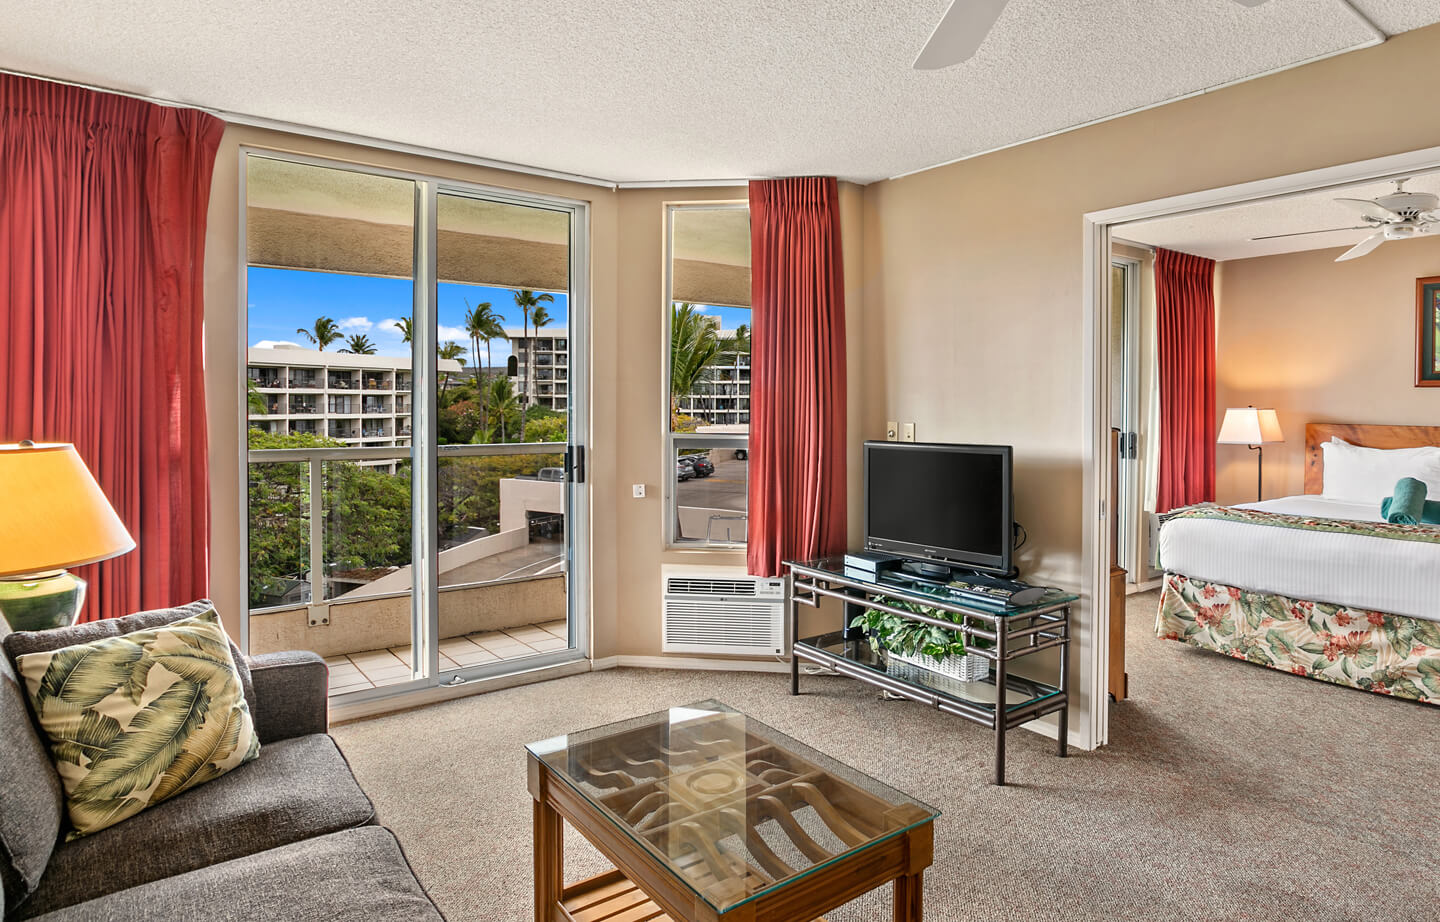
column 282, row 299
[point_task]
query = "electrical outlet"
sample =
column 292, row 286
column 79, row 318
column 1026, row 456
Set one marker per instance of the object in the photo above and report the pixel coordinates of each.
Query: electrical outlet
column 892, row 431
column 638, row 490
column 907, row 432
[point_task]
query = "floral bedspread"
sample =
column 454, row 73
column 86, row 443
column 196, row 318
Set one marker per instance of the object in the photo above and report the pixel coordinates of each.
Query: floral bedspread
column 1382, row 653
column 1427, row 533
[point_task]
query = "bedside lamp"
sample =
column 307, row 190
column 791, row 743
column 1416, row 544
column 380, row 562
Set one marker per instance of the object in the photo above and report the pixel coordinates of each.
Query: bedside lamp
column 53, row 515
column 1252, row 427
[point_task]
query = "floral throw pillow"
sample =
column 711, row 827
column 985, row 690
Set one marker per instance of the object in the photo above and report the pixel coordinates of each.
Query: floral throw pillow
column 136, row 719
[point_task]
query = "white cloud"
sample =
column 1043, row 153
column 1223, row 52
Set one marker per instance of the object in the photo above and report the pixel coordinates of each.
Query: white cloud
column 387, row 327
column 356, row 325
column 457, row 334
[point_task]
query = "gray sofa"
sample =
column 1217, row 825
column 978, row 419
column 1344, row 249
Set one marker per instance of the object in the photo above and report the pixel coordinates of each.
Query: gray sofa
column 287, row 836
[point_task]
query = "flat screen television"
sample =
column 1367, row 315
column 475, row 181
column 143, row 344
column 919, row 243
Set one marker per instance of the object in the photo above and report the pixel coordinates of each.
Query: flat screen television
column 947, row 503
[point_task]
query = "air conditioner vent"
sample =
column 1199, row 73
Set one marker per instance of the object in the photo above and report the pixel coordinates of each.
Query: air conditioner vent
column 680, row 585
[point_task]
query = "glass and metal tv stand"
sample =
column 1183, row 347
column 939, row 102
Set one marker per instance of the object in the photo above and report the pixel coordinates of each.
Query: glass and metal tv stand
column 1001, row 701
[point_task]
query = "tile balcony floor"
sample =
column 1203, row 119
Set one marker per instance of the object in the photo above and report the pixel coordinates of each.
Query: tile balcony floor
column 374, row 668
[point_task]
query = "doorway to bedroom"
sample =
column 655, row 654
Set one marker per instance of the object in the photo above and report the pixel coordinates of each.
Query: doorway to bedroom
column 1315, row 291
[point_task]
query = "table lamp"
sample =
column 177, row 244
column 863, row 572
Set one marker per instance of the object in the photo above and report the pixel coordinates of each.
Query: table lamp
column 53, row 515
column 1252, row 427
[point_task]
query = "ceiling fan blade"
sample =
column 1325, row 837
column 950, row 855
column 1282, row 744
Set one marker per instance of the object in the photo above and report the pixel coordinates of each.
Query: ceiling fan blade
column 1363, row 247
column 1373, row 210
column 1328, row 230
column 959, row 33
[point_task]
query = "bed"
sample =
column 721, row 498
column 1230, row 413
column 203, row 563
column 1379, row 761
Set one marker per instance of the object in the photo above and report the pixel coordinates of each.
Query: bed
column 1312, row 584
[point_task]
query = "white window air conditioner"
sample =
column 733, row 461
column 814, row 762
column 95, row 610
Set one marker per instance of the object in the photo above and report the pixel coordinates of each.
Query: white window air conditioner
column 721, row 610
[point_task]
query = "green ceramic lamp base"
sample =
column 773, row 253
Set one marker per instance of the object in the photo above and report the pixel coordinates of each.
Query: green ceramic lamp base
column 41, row 601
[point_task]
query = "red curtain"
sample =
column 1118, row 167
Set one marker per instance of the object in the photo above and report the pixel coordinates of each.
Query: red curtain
column 1185, row 308
column 797, row 373
column 103, row 203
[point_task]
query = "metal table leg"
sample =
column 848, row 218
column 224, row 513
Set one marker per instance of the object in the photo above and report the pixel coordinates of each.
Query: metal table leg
column 794, row 660
column 1001, row 630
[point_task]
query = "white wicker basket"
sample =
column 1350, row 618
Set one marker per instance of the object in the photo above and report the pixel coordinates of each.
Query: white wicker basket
column 971, row 667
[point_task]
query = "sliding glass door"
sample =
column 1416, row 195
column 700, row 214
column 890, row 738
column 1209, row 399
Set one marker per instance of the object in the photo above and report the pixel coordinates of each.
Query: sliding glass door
column 414, row 357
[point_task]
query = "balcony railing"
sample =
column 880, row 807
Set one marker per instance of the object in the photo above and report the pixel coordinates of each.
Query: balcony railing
column 300, row 537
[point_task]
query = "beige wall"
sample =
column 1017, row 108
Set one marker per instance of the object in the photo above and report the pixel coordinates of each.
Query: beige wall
column 1319, row 341
column 973, row 312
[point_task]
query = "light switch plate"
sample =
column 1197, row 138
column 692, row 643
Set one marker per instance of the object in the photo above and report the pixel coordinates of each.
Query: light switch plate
column 638, row 490
column 892, row 431
column 907, row 432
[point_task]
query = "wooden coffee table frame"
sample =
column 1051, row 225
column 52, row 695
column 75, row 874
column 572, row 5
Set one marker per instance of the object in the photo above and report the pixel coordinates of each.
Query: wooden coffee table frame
column 902, row 858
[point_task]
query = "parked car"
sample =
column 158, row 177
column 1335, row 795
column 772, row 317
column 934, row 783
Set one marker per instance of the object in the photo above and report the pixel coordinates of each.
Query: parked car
column 703, row 466
column 741, row 454
column 684, row 472
column 551, row 473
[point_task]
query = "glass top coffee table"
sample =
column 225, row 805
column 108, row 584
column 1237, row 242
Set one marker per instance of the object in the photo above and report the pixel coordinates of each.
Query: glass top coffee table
column 708, row 814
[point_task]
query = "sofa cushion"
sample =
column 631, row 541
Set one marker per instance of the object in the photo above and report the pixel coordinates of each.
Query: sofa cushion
column 355, row 874
column 138, row 719
column 31, row 805
column 298, row 788
column 22, row 642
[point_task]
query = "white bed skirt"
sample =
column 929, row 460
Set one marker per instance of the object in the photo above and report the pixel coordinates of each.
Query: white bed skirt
column 1359, row 571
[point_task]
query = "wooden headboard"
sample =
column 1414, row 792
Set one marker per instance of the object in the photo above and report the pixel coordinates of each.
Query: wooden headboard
column 1317, row 434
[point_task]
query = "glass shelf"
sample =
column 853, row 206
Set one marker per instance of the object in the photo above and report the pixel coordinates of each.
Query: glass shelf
column 1019, row 691
column 919, row 590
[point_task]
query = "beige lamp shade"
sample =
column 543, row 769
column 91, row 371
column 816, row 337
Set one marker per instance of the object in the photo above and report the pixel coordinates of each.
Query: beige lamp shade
column 1249, row 426
column 53, row 514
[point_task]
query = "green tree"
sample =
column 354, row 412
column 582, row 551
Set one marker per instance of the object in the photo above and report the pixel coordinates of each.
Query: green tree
column 503, row 405
column 359, row 344
column 405, row 327
column 483, row 325
column 528, row 302
column 694, row 346
column 254, row 399
column 454, row 352
column 325, row 332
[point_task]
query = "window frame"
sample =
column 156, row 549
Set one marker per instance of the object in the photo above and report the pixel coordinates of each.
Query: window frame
column 674, row 441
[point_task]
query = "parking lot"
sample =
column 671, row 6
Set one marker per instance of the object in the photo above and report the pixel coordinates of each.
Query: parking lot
column 724, row 489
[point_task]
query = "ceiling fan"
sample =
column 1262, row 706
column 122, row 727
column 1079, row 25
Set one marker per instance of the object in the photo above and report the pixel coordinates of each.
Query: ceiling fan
column 963, row 28
column 1397, row 216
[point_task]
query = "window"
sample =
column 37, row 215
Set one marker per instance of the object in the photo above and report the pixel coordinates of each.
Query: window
column 708, row 374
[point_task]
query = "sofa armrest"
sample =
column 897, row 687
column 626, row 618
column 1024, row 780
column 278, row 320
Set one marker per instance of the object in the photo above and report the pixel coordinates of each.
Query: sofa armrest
column 291, row 694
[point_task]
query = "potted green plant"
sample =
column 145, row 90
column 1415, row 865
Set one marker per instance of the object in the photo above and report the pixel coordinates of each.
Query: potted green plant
column 924, row 645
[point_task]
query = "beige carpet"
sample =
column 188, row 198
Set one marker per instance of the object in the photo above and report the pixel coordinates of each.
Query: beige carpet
column 1229, row 791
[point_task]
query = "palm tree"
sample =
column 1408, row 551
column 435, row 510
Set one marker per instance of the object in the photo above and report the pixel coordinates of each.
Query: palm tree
column 501, row 398
column 694, row 346
column 454, row 352
column 528, row 301
column 404, row 326
column 359, row 344
column 483, row 325
column 325, row 332
column 740, row 345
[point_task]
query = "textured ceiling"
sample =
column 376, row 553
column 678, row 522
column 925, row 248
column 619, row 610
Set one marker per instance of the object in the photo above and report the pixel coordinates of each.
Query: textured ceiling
column 637, row 90
column 1227, row 232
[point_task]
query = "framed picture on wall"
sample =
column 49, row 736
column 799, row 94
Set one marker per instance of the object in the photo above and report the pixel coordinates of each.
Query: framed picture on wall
column 1427, row 332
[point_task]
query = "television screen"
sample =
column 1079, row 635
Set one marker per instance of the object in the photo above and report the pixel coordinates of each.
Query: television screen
column 949, row 503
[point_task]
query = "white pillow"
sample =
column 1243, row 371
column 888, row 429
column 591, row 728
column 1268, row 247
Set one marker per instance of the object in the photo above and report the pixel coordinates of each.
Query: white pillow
column 1367, row 475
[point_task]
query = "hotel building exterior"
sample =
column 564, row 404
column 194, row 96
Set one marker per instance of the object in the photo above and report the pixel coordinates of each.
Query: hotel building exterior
column 362, row 400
